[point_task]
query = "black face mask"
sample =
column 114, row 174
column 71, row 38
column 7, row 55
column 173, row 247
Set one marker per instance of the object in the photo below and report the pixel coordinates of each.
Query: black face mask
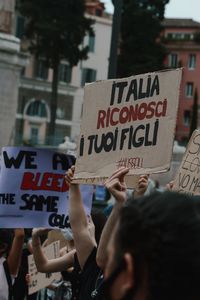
column 107, row 284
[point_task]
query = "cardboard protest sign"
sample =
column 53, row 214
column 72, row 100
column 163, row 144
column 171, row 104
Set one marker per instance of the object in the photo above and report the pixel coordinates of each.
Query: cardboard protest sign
column 188, row 176
column 128, row 122
column 131, row 181
column 39, row 280
column 56, row 235
column 33, row 192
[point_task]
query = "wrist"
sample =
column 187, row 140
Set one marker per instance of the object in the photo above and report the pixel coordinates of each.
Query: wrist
column 74, row 186
column 19, row 236
column 118, row 205
column 36, row 241
column 19, row 233
column 35, row 245
column 35, row 235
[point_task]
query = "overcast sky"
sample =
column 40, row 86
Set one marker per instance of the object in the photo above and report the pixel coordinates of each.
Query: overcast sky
column 175, row 9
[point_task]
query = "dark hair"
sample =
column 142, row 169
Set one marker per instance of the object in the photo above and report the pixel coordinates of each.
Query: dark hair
column 162, row 232
column 99, row 220
column 6, row 237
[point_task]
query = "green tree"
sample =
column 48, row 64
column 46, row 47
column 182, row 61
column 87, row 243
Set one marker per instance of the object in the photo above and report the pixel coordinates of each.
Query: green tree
column 140, row 46
column 194, row 121
column 55, row 29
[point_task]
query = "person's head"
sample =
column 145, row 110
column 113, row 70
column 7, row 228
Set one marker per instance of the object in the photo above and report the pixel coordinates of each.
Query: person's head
column 154, row 252
column 6, row 236
column 99, row 220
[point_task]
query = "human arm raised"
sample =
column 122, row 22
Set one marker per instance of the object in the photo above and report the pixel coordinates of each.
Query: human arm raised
column 14, row 257
column 45, row 265
column 117, row 187
column 83, row 241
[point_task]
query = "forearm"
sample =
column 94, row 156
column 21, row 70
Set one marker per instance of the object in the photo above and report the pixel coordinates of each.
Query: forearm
column 41, row 261
column 77, row 216
column 84, row 243
column 105, row 236
column 58, row 264
column 45, row 265
column 14, row 258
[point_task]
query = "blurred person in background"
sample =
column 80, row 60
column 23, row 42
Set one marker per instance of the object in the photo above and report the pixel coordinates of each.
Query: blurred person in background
column 10, row 259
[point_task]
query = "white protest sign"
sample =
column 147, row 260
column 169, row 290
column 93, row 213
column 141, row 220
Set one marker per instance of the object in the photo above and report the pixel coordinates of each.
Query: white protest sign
column 188, row 176
column 33, row 192
column 39, row 280
column 128, row 122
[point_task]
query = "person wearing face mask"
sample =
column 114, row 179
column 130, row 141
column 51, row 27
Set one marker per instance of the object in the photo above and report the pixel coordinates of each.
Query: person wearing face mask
column 154, row 250
column 91, row 253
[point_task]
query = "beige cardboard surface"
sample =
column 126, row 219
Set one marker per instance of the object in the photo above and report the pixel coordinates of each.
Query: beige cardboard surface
column 131, row 181
column 39, row 280
column 56, row 235
column 128, row 122
column 188, row 176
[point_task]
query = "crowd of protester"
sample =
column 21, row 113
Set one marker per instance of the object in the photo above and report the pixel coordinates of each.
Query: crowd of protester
column 144, row 246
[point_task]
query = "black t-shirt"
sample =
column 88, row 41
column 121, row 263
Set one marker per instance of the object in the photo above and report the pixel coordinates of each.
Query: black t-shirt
column 74, row 277
column 90, row 279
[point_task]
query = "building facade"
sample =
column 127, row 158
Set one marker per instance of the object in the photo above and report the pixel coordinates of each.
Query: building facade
column 33, row 113
column 182, row 40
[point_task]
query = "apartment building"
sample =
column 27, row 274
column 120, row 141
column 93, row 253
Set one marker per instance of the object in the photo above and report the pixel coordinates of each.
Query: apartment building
column 33, row 113
column 182, row 40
